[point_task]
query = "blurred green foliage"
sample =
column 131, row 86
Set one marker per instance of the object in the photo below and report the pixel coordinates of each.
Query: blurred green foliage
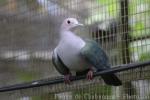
column 25, row 76
column 111, row 6
column 141, row 49
column 95, row 92
column 2, row 2
column 110, row 10
column 139, row 15
column 145, row 56
column 139, row 23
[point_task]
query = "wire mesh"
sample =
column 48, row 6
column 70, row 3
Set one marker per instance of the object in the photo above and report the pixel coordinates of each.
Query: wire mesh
column 29, row 31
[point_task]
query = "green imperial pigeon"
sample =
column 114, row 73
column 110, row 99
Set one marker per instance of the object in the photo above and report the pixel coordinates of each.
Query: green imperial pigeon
column 75, row 55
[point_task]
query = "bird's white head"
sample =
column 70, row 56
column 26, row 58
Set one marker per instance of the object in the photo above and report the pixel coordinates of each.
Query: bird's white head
column 70, row 23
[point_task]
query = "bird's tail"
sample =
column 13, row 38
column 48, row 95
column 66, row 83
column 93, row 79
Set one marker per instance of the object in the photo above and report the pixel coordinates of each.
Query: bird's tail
column 111, row 79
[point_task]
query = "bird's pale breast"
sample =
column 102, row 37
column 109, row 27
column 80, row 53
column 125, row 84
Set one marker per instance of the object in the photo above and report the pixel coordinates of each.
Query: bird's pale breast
column 70, row 54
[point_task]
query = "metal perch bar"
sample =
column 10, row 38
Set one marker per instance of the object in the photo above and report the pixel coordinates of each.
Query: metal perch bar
column 39, row 83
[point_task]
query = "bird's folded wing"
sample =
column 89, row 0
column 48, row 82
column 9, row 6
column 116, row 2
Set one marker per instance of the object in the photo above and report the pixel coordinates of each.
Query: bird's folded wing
column 59, row 65
column 95, row 55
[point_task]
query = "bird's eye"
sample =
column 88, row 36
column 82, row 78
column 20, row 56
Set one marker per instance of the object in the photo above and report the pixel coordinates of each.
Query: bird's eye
column 68, row 22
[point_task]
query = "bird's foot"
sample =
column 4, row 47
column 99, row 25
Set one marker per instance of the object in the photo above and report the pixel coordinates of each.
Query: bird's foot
column 90, row 74
column 67, row 78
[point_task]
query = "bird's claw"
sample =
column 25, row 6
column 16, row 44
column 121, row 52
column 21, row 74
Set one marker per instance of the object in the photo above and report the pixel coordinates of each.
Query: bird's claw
column 67, row 79
column 90, row 75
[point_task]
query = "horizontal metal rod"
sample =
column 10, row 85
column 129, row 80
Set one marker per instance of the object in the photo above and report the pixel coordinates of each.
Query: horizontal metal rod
column 45, row 82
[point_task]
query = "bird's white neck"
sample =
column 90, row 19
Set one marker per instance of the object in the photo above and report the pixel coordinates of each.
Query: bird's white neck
column 71, row 37
column 66, row 35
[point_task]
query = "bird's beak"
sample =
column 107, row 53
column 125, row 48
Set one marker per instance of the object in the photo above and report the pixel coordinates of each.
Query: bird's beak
column 80, row 24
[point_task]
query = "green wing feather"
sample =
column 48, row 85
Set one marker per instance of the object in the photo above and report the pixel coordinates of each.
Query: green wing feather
column 94, row 54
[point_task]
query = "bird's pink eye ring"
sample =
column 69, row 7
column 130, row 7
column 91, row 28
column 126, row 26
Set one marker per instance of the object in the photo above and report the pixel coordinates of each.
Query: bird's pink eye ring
column 68, row 22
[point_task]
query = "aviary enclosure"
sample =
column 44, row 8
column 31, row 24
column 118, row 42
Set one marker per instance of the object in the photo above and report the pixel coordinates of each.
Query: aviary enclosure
column 29, row 32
